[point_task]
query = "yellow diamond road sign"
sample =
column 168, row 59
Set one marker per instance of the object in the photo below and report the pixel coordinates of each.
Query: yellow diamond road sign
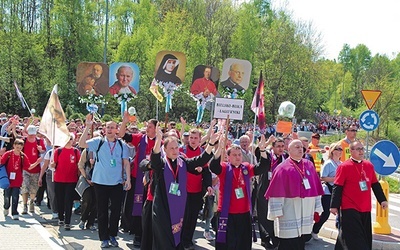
column 370, row 97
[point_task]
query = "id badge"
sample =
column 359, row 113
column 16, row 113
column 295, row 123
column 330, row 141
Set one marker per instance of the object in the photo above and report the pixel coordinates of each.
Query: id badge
column 306, row 184
column 174, row 189
column 113, row 163
column 269, row 175
column 363, row 185
column 239, row 193
column 12, row 175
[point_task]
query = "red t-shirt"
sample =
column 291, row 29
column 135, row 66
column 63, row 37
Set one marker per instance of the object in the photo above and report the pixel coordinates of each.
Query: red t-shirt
column 31, row 151
column 236, row 206
column 348, row 175
column 66, row 165
column 14, row 166
column 135, row 141
column 194, row 182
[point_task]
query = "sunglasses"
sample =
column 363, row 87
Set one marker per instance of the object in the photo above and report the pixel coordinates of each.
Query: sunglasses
column 338, row 149
column 358, row 149
column 352, row 130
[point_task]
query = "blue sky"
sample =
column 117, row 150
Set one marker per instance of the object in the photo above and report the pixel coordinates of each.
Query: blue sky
column 372, row 23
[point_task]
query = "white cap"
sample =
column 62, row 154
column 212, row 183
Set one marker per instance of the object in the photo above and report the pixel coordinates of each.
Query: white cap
column 32, row 130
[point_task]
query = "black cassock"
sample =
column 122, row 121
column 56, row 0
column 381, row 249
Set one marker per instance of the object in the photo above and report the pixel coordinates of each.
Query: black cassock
column 166, row 206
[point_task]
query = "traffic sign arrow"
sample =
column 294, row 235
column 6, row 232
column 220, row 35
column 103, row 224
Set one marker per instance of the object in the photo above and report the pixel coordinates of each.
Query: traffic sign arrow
column 371, row 126
column 389, row 160
column 375, row 118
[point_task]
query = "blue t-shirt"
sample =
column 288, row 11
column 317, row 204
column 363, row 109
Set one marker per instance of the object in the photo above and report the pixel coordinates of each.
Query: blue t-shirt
column 328, row 170
column 108, row 166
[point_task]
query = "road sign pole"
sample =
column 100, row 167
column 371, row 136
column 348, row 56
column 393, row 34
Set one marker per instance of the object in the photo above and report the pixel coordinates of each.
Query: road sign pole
column 366, row 142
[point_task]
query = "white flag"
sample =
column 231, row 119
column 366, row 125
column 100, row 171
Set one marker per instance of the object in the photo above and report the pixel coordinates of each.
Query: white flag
column 53, row 124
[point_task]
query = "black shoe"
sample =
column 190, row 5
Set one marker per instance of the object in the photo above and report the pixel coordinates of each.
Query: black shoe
column 38, row 203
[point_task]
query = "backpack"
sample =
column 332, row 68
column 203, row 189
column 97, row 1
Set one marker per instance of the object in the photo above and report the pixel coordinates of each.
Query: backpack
column 59, row 150
column 101, row 143
column 4, row 181
column 37, row 142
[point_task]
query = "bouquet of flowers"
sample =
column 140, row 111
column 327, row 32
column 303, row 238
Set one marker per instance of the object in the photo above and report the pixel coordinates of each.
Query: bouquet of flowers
column 92, row 100
column 125, row 97
column 232, row 93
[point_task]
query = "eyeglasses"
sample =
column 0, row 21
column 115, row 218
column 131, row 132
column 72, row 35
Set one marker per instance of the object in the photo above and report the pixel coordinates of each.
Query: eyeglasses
column 352, row 130
column 358, row 149
column 338, row 149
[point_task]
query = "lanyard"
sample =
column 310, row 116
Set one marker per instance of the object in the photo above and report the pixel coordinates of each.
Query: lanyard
column 178, row 165
column 238, row 179
column 362, row 172
column 301, row 171
column 113, row 147
column 15, row 162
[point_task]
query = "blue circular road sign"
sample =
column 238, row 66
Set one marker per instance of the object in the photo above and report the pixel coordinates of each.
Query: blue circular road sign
column 369, row 120
column 385, row 157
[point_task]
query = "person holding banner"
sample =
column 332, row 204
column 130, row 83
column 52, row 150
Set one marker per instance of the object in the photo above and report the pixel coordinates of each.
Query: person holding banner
column 194, row 188
column 170, row 174
column 234, row 201
column 131, row 218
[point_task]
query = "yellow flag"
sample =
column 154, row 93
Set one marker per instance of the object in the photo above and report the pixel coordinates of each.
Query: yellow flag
column 155, row 92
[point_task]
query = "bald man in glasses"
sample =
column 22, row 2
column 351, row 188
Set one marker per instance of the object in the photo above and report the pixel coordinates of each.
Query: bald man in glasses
column 352, row 194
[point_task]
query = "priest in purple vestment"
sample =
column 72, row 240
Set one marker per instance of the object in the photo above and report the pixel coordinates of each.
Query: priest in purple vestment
column 170, row 177
column 294, row 194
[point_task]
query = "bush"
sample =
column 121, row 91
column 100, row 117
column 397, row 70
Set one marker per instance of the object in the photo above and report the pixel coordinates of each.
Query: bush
column 394, row 186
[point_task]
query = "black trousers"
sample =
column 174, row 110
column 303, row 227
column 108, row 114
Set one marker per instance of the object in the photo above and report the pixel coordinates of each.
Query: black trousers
column 130, row 223
column 326, row 203
column 194, row 202
column 89, row 208
column 355, row 230
column 41, row 190
column 147, row 230
column 265, row 226
column 238, row 233
column 65, row 193
column 108, row 225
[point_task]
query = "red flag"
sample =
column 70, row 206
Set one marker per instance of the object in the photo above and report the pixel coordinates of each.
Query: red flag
column 258, row 103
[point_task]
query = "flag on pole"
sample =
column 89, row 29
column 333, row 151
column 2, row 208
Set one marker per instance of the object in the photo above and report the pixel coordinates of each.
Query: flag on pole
column 53, row 124
column 257, row 106
column 155, row 92
column 19, row 94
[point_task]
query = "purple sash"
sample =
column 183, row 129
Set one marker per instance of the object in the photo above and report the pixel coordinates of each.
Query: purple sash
column 176, row 203
column 138, row 192
column 223, row 219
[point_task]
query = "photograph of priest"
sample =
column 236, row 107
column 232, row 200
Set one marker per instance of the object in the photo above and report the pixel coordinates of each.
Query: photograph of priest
column 200, row 85
column 294, row 195
column 236, row 74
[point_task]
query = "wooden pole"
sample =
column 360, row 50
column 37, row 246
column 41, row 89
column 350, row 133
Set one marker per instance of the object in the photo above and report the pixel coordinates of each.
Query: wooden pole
column 226, row 138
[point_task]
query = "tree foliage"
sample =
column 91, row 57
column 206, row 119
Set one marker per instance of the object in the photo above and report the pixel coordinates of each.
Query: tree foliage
column 43, row 41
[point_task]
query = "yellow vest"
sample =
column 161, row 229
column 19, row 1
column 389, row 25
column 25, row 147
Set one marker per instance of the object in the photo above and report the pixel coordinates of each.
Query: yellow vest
column 346, row 150
column 317, row 157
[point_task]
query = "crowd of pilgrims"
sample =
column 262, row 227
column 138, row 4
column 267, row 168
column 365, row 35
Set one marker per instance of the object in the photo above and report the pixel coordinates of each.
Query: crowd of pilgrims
column 155, row 182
